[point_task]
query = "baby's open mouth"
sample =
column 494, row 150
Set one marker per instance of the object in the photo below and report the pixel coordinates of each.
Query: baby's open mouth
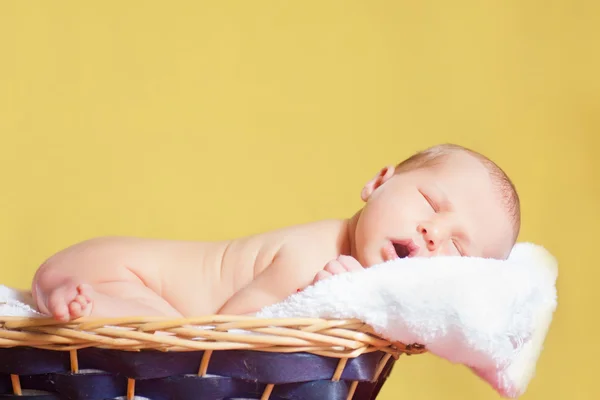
column 400, row 249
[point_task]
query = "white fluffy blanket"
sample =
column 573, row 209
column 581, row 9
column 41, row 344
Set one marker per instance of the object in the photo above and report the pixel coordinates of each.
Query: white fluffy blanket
column 489, row 315
column 16, row 303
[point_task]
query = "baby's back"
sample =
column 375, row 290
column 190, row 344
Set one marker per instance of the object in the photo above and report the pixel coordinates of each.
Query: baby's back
column 208, row 274
column 194, row 278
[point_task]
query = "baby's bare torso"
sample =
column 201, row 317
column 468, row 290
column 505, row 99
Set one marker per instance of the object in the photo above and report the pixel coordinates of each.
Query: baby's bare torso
column 199, row 278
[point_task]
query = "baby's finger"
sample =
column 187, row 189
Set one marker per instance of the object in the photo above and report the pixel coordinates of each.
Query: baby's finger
column 335, row 267
column 321, row 275
column 349, row 263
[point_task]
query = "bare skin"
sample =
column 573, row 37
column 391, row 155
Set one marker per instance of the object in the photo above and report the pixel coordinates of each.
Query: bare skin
column 449, row 209
column 121, row 276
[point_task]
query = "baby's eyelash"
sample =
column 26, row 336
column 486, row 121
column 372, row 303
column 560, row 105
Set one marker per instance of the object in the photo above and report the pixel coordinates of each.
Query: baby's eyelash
column 457, row 248
column 431, row 203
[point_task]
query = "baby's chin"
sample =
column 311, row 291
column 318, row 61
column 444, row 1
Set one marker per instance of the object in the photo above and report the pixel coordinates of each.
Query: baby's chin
column 364, row 259
column 374, row 258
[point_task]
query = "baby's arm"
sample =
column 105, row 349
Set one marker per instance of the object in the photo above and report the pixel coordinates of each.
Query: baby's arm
column 285, row 276
column 275, row 283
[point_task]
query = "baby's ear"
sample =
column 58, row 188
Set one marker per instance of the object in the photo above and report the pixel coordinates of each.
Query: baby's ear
column 383, row 176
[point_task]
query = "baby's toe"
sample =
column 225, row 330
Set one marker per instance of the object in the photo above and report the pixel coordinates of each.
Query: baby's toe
column 82, row 301
column 58, row 305
column 61, row 313
column 85, row 290
column 75, row 309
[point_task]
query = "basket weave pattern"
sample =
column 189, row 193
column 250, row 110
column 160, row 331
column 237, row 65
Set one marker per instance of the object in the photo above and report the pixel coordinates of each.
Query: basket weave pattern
column 219, row 356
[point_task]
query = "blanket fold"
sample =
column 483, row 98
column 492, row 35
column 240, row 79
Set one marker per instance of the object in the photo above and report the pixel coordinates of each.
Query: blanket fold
column 489, row 315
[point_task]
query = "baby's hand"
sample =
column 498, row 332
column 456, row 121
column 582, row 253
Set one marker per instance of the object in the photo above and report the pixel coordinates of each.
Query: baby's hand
column 340, row 265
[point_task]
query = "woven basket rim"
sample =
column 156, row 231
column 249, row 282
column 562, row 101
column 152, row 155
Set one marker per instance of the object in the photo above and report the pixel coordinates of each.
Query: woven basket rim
column 339, row 338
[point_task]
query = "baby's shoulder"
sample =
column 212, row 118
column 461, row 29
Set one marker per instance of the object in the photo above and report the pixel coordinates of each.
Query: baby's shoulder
column 313, row 241
column 311, row 233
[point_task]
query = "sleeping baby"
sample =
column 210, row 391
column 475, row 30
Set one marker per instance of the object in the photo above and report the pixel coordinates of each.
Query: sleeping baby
column 446, row 200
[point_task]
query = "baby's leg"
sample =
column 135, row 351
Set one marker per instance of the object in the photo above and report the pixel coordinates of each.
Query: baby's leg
column 124, row 299
column 66, row 298
column 115, row 299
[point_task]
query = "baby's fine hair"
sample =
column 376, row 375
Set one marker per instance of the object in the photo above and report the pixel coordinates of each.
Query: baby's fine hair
column 437, row 154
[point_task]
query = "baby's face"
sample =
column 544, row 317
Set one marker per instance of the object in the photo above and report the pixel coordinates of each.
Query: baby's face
column 451, row 208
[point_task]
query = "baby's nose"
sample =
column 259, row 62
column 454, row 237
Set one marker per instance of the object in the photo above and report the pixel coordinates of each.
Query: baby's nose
column 431, row 236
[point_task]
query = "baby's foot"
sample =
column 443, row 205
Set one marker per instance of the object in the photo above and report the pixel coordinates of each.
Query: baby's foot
column 71, row 301
column 340, row 265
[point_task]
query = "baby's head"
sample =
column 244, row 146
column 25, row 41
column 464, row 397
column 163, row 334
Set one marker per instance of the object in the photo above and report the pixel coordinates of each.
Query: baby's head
column 446, row 200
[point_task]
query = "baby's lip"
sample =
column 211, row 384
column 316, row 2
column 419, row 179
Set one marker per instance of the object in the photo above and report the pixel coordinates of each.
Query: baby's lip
column 400, row 248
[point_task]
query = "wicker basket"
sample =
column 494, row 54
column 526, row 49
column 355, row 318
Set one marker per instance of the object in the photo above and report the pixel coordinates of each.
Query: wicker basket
column 214, row 357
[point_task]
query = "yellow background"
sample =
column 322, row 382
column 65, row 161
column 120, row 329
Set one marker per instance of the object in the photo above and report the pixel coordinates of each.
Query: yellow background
column 206, row 120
